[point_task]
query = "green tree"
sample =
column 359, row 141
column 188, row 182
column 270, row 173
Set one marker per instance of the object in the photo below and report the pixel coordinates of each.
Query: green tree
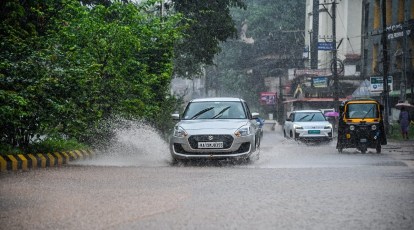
column 208, row 23
column 66, row 67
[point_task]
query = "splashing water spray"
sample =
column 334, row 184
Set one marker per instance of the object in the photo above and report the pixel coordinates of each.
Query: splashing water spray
column 135, row 143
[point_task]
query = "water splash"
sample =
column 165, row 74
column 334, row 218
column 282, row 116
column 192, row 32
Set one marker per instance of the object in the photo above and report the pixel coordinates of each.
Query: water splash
column 135, row 144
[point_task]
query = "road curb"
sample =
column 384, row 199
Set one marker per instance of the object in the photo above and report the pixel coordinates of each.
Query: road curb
column 24, row 162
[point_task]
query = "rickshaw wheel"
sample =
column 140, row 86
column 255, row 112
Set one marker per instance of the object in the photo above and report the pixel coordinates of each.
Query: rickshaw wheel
column 363, row 150
column 378, row 147
column 340, row 148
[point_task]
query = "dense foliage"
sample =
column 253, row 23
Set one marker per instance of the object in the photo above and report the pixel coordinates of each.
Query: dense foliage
column 210, row 23
column 65, row 67
column 69, row 68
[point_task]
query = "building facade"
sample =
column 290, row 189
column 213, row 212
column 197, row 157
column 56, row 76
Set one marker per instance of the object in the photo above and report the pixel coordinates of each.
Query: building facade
column 358, row 50
column 399, row 15
column 313, row 87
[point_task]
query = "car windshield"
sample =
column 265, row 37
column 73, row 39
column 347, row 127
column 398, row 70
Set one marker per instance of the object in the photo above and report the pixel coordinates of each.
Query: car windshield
column 214, row 110
column 367, row 110
column 309, row 116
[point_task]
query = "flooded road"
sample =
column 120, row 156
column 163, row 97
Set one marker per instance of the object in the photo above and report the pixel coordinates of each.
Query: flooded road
column 290, row 186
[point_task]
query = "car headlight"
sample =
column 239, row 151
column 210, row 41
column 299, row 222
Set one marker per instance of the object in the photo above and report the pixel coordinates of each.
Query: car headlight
column 352, row 128
column 243, row 131
column 374, row 127
column 297, row 127
column 328, row 127
column 179, row 132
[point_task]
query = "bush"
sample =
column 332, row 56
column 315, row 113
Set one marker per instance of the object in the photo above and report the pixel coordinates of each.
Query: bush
column 44, row 146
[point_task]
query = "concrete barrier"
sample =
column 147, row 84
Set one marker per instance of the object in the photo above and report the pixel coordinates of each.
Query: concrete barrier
column 24, row 162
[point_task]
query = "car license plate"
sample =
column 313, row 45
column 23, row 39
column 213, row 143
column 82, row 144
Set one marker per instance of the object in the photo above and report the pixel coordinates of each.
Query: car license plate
column 210, row 145
column 363, row 140
column 314, row 131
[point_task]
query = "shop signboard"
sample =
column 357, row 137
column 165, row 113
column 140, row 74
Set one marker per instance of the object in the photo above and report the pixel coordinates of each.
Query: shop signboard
column 267, row 98
column 320, row 82
column 326, row 46
column 377, row 83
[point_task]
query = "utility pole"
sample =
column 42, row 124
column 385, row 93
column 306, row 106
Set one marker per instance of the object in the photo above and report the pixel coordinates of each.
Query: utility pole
column 385, row 65
column 315, row 34
column 334, row 59
column 403, row 83
column 280, row 116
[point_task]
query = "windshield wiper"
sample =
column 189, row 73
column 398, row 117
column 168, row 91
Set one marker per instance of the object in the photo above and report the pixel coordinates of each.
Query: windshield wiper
column 221, row 112
column 303, row 117
column 367, row 112
column 201, row 112
column 311, row 117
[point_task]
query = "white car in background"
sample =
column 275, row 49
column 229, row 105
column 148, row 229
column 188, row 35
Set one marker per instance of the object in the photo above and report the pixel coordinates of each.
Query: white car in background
column 308, row 125
column 215, row 128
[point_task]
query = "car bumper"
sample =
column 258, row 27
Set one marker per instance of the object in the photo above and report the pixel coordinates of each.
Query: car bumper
column 240, row 147
column 317, row 135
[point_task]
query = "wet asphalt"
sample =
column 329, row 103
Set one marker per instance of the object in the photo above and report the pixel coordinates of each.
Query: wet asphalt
column 287, row 185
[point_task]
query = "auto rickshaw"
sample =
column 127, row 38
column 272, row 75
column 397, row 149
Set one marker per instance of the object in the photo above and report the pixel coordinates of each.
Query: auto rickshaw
column 361, row 125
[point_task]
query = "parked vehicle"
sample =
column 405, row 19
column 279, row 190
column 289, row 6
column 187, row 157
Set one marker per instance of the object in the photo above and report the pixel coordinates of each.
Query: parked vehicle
column 309, row 125
column 215, row 128
column 361, row 125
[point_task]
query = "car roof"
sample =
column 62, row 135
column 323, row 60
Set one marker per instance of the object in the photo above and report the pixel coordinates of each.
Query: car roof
column 307, row 111
column 217, row 99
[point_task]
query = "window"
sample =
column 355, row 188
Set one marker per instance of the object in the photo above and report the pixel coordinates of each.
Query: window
column 401, row 7
column 389, row 12
column 215, row 110
column 362, row 111
column 375, row 58
column 377, row 7
column 309, row 116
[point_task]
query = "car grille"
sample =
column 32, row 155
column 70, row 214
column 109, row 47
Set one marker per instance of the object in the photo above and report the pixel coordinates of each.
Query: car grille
column 245, row 147
column 226, row 139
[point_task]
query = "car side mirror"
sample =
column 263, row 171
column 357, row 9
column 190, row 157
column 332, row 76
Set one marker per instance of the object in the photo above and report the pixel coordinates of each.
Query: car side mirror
column 255, row 115
column 288, row 119
column 175, row 116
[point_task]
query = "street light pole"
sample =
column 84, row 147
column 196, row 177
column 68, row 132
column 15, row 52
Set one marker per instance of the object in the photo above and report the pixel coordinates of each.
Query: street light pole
column 385, row 65
column 280, row 103
column 334, row 59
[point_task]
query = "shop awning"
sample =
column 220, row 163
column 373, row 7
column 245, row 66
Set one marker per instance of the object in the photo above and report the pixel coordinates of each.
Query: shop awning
column 396, row 93
column 318, row 99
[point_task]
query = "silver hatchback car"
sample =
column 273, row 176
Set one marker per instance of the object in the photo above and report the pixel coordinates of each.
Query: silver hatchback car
column 215, row 128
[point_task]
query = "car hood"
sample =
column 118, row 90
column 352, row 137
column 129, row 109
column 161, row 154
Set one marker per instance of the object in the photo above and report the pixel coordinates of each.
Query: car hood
column 213, row 124
column 313, row 124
